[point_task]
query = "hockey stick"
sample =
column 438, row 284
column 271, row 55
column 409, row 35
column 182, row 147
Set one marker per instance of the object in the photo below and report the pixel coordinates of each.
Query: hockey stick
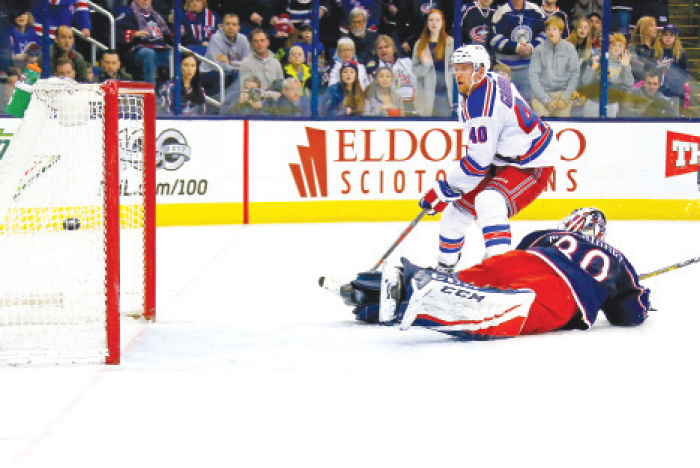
column 400, row 239
column 675, row 266
column 333, row 286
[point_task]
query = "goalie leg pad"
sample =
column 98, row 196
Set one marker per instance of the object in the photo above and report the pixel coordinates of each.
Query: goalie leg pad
column 443, row 303
column 391, row 292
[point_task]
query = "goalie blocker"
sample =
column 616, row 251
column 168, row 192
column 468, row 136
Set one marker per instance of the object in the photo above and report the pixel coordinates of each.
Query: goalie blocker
column 556, row 279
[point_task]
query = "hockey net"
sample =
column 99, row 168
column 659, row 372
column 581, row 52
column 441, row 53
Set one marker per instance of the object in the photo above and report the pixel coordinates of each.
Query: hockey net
column 77, row 222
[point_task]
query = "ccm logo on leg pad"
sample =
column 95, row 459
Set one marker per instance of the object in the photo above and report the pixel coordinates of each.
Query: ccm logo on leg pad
column 463, row 293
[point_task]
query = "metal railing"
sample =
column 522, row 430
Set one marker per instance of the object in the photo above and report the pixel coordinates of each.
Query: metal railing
column 222, row 76
column 94, row 45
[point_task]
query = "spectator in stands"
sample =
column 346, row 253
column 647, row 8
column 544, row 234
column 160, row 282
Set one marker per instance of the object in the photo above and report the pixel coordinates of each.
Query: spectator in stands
column 423, row 9
column 200, row 23
column 372, row 9
column 332, row 18
column 431, row 59
column 7, row 87
column 297, row 69
column 345, row 52
column 642, row 44
column 64, row 68
column 477, row 24
column 583, row 8
column 249, row 100
column 362, row 37
column 228, row 48
column 672, row 60
column 518, row 29
column 261, row 14
column 583, row 42
column 346, row 97
column 405, row 81
column 305, row 41
column 25, row 41
column 292, row 103
column 554, row 72
column 550, row 8
column 63, row 48
column 192, row 95
column 63, row 13
column 382, row 99
column 261, row 63
column 596, row 22
column 5, row 48
column 147, row 37
column 620, row 79
column 300, row 12
column 397, row 20
column 111, row 67
column 647, row 100
column 581, row 39
column 502, row 69
column 568, row 7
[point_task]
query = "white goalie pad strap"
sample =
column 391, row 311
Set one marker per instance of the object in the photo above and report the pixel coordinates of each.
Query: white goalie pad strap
column 388, row 300
column 450, row 305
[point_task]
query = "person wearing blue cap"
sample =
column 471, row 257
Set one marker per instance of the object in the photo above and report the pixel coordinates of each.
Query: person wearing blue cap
column 672, row 60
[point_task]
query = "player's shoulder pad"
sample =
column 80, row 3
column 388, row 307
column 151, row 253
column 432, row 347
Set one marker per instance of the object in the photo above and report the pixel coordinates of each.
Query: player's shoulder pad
column 482, row 99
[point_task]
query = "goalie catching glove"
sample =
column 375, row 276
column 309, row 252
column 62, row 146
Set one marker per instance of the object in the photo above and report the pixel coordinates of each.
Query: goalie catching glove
column 438, row 197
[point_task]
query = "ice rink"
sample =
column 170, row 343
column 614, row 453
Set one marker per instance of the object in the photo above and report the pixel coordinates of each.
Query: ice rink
column 251, row 364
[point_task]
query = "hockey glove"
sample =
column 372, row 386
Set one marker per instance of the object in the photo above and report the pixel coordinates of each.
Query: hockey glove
column 438, row 197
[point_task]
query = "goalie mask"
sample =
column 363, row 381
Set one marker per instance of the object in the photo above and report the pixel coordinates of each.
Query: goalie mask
column 590, row 221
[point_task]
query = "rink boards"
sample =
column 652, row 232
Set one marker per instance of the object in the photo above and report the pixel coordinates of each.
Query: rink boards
column 269, row 171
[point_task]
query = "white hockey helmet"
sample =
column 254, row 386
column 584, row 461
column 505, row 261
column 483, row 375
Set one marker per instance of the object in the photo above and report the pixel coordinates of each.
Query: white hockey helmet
column 589, row 221
column 475, row 54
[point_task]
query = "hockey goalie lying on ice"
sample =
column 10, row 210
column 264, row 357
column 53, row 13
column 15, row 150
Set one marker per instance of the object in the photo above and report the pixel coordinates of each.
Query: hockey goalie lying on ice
column 556, row 279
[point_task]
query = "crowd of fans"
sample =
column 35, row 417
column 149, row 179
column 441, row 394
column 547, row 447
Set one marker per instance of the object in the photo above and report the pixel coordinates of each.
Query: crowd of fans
column 376, row 57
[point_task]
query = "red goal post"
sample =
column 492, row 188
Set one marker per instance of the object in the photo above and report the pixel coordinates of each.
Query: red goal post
column 112, row 92
column 77, row 222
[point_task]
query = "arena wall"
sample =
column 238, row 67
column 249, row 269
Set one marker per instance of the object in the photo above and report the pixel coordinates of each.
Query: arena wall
column 270, row 171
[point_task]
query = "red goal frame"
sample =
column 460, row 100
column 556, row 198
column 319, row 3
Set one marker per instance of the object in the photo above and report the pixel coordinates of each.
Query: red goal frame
column 112, row 90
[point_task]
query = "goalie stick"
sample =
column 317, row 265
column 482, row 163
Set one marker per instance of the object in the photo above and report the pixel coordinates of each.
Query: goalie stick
column 675, row 266
column 335, row 286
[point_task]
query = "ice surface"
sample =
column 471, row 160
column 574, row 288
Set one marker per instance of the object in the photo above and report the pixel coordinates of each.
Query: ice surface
column 251, row 364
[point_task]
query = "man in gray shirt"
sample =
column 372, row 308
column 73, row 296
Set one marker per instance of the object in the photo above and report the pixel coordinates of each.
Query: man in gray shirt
column 554, row 72
column 262, row 62
column 228, row 48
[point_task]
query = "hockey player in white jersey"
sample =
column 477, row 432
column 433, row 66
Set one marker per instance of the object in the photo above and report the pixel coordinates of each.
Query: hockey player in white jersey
column 508, row 161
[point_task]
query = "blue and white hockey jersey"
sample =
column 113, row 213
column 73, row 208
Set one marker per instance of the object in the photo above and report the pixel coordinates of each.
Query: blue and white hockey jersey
column 598, row 275
column 511, row 27
column 501, row 130
column 476, row 25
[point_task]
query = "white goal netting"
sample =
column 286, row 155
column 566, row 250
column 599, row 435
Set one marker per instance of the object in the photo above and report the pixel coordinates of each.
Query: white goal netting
column 53, row 241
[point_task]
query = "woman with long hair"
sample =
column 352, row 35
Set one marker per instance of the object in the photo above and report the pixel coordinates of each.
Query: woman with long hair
column 346, row 97
column 581, row 39
column 192, row 96
column 22, row 36
column 381, row 97
column 642, row 44
column 431, row 65
column 672, row 60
